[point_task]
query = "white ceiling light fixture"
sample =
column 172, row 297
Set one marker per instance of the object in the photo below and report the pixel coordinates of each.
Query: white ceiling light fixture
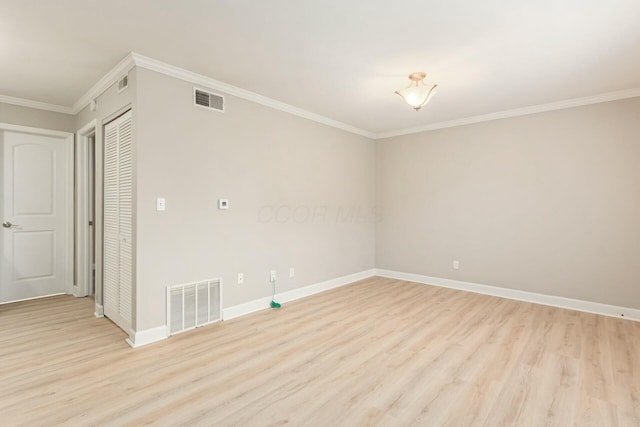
column 418, row 93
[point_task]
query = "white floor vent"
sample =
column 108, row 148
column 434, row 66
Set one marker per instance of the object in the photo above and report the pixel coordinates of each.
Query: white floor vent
column 194, row 304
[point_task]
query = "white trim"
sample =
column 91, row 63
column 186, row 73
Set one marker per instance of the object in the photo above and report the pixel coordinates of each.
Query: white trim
column 70, row 205
column 199, row 79
column 99, row 310
column 221, row 300
column 246, row 308
column 569, row 103
column 148, row 336
column 35, row 131
column 98, row 215
column 551, row 300
column 104, row 83
column 89, row 128
column 294, row 294
column 35, row 104
column 135, row 59
column 34, row 298
column 122, row 68
column 82, row 228
column 159, row 333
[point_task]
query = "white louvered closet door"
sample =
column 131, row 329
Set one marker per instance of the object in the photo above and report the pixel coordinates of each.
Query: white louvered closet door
column 118, row 221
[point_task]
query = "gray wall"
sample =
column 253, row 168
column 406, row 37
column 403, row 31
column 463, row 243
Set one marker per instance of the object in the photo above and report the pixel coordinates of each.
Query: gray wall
column 546, row 203
column 269, row 165
column 25, row 116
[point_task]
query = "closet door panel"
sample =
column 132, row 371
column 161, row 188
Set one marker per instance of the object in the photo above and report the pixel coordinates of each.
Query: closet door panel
column 125, row 218
column 118, row 220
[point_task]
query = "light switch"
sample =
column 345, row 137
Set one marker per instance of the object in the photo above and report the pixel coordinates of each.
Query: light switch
column 161, row 204
column 223, row 204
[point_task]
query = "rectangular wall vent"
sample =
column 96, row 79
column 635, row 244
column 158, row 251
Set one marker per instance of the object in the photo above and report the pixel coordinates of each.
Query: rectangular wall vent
column 209, row 100
column 194, row 304
column 123, row 83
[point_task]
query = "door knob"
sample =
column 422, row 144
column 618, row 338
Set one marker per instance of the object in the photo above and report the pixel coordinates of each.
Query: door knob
column 7, row 224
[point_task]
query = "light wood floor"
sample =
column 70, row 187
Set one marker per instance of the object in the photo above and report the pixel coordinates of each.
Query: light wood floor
column 378, row 352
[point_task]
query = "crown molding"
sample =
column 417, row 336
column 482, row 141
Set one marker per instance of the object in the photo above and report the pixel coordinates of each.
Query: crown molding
column 560, row 105
column 104, row 83
column 35, row 104
column 96, row 90
column 199, row 79
column 135, row 59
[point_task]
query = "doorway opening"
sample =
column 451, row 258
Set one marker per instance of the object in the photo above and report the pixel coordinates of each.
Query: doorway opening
column 87, row 238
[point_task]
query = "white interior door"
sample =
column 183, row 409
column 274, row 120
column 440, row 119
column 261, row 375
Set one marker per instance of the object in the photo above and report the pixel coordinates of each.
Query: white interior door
column 37, row 213
column 118, row 221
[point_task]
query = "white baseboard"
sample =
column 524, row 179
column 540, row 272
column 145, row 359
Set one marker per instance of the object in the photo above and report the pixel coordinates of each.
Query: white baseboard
column 148, row 336
column 551, row 300
column 294, row 294
column 245, row 308
column 99, row 310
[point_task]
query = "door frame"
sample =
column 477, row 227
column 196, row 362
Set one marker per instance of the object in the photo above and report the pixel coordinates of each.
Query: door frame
column 82, row 211
column 69, row 196
column 82, row 228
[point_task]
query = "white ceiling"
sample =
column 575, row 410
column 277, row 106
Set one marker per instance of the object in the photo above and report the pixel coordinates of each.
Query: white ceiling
column 337, row 58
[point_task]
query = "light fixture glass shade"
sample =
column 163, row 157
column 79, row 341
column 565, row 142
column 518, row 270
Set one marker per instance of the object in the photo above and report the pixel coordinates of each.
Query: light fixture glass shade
column 417, row 94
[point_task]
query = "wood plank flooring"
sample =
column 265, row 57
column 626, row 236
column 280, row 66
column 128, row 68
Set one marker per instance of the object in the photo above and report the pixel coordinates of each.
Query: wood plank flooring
column 377, row 352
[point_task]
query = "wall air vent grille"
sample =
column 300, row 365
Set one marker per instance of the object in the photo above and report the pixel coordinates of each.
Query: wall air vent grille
column 209, row 100
column 123, row 83
column 194, row 304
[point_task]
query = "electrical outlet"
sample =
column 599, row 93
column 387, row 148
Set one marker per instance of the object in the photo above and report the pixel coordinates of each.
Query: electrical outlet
column 272, row 278
column 456, row 265
column 240, row 278
column 292, row 272
column 161, row 204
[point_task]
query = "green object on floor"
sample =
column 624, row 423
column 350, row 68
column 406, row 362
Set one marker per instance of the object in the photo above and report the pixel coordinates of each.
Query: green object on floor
column 274, row 304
